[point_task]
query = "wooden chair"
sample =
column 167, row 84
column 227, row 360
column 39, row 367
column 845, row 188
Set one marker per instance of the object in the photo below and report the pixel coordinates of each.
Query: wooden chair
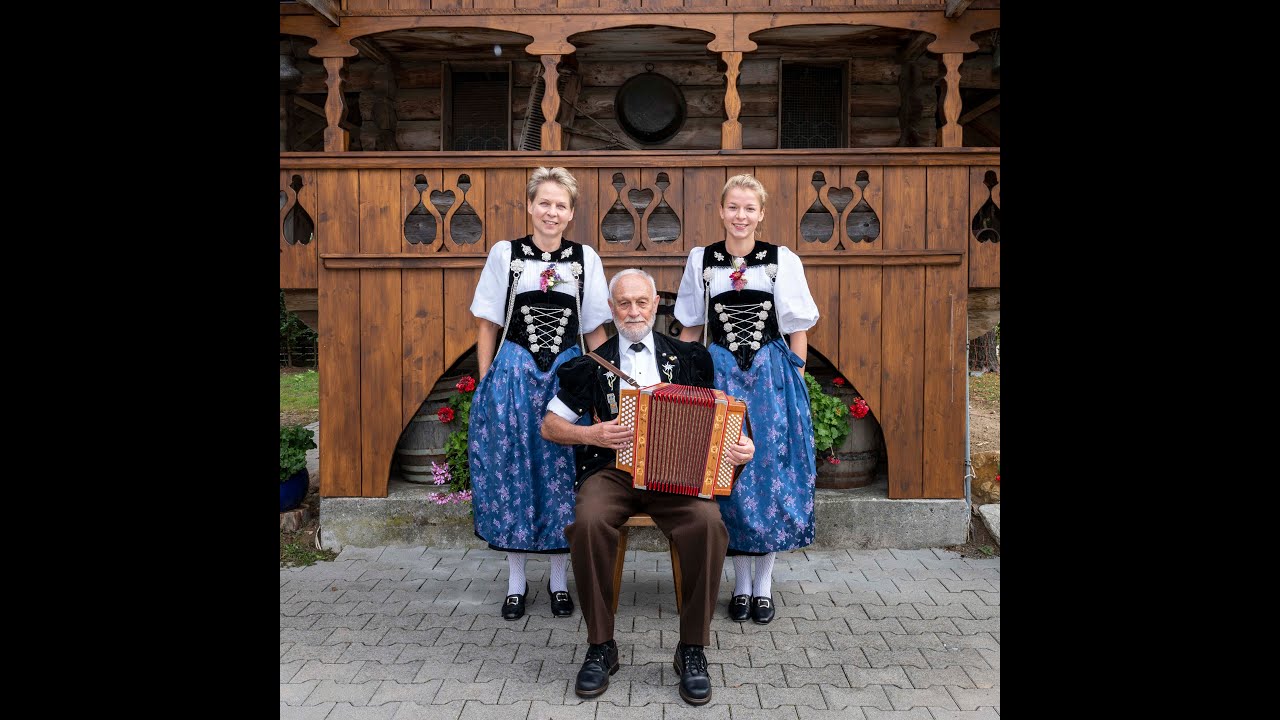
column 640, row 520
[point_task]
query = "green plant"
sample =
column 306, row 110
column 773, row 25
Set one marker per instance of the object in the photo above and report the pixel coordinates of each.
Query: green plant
column 455, row 448
column 829, row 425
column 295, row 441
column 294, row 553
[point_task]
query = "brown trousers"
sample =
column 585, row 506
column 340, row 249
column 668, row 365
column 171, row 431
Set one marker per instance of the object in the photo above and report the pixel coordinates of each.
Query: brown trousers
column 605, row 501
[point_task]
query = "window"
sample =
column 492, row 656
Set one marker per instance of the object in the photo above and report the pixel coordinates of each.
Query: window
column 477, row 102
column 813, row 111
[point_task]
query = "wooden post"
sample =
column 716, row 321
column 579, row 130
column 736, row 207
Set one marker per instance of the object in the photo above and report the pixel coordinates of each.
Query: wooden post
column 952, row 133
column 284, row 121
column 731, row 129
column 378, row 111
column 335, row 106
column 550, row 102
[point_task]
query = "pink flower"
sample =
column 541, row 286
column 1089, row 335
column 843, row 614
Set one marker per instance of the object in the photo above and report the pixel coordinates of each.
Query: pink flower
column 549, row 279
column 738, row 276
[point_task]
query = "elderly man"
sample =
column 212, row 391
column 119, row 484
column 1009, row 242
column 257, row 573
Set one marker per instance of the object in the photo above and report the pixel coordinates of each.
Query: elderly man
column 606, row 498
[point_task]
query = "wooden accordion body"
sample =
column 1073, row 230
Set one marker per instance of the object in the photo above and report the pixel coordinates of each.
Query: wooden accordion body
column 682, row 435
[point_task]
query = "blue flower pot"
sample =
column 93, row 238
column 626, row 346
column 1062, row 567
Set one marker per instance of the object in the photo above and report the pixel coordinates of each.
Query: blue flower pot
column 293, row 490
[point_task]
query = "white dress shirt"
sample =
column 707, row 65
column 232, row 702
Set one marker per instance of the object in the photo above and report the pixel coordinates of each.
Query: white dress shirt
column 641, row 365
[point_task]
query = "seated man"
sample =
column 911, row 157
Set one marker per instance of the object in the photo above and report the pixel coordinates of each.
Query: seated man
column 606, row 497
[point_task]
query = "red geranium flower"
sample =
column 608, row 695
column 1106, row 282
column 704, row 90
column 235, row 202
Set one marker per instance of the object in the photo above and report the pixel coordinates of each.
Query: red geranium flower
column 467, row 383
column 859, row 408
column 839, row 382
column 445, row 414
column 997, row 479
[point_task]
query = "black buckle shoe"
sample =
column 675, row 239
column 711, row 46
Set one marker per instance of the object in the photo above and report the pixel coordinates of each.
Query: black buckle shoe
column 695, row 683
column 740, row 608
column 762, row 610
column 561, row 603
column 513, row 606
column 593, row 677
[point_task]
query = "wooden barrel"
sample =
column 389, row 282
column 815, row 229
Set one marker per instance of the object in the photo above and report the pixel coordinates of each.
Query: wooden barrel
column 859, row 454
column 423, row 441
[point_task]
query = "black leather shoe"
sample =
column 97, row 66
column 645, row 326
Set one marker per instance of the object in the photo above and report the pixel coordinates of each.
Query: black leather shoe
column 762, row 610
column 593, row 677
column 513, row 606
column 561, row 603
column 740, row 608
column 695, row 683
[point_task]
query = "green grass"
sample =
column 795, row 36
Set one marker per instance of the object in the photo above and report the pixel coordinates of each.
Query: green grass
column 300, row 392
column 294, row 554
column 986, row 387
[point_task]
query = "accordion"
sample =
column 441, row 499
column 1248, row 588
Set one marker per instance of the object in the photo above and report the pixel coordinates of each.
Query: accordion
column 681, row 438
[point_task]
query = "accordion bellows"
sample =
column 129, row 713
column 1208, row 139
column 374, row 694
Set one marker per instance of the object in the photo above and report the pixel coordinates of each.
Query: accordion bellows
column 681, row 438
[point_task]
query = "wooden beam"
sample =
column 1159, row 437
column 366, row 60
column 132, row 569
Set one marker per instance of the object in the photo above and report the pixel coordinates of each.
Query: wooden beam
column 915, row 48
column 955, row 7
column 992, row 103
column 312, row 107
column 372, row 50
column 328, row 9
column 988, row 133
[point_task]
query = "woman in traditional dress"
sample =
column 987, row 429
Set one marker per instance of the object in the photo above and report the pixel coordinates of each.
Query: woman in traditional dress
column 752, row 299
column 539, row 300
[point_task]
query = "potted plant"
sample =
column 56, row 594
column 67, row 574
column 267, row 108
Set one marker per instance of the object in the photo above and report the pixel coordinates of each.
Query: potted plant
column 847, row 440
column 295, row 441
column 829, row 424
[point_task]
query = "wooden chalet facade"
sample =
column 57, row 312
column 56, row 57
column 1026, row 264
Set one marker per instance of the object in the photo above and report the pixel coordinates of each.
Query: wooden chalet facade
column 409, row 129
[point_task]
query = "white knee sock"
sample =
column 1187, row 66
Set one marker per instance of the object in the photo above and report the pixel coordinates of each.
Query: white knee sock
column 515, row 578
column 559, row 567
column 764, row 575
column 741, row 574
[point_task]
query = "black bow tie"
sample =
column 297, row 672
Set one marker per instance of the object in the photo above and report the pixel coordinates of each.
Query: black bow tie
column 637, row 346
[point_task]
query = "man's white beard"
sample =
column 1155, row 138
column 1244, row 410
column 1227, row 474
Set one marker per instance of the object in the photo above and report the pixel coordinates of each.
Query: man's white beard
column 627, row 333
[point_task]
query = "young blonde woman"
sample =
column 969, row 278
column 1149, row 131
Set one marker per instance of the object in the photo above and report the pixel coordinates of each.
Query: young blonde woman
column 541, row 301
column 750, row 299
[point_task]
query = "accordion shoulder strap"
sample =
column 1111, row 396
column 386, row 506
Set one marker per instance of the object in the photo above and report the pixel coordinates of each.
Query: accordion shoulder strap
column 610, row 367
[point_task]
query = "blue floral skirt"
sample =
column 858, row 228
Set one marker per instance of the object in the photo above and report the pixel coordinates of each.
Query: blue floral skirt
column 771, row 507
column 522, row 485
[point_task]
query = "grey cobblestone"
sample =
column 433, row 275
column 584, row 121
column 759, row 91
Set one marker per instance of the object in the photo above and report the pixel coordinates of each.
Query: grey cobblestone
column 772, row 696
column 399, row 672
column 760, row 657
column 304, row 713
column 354, row 553
column 616, row 711
column 788, row 599
column 739, row 696
column 965, row 657
column 322, row 595
column 533, row 653
column 752, row 641
column 495, row 670
column 392, row 691
column 350, row 622
column 972, row 573
column 395, row 586
column 983, row 677
column 901, row 598
column 399, row 636
column 914, row 714
column 938, row 573
column 860, row 677
column 289, row 669
column 366, row 637
column 982, row 640
column 319, row 608
column 983, row 612
column 323, row 653
column 305, row 637
column 847, row 656
column 553, row 671
column 404, row 622
column 451, row 689
column 801, row 676
column 643, row 693
column 651, row 673
column 885, row 658
column 833, row 625
column 808, row 713
column 877, row 612
column 938, row 678
column 850, row 612
column 859, row 598
column 903, row 562
column 296, row 693
column 462, row 672
column 905, row 642
column 929, row 612
column 869, row 696
column 376, row 653
column 962, row 585
column 937, row 625
column 517, row 690
column 539, row 710
column 946, row 597
column 380, row 596
column 430, row 654
column 927, row 698
column 992, row 657
column 680, row 711
column 344, row 711
column 500, row 653
column 859, row 641
column 973, row 627
column 736, row 675
column 352, row 693
column 390, row 573
column 985, row 713
column 316, row 670
column 968, row 699
column 921, row 554
column 293, row 609
column 783, row 712
column 400, row 555
column 297, row 622
column 379, row 608
column 414, row 711
column 890, row 574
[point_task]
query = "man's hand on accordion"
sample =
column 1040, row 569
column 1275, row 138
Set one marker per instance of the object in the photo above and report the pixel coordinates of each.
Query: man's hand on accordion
column 612, row 435
column 741, row 452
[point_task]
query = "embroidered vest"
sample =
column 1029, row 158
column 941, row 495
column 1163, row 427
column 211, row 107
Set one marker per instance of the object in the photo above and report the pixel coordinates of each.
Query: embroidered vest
column 542, row 322
column 741, row 321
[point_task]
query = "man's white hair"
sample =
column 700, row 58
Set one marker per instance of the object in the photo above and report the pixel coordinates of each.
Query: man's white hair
column 653, row 286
